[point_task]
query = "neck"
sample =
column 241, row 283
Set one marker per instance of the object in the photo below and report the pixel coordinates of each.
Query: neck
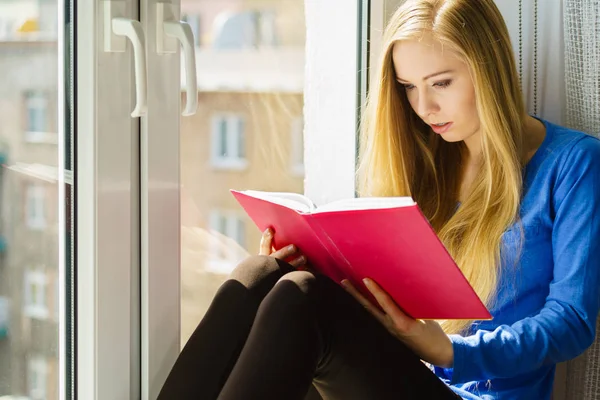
column 473, row 148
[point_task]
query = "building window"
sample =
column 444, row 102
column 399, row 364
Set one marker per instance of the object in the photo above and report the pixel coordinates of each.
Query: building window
column 245, row 30
column 228, row 240
column 37, row 116
column 35, row 295
column 35, row 207
column 4, row 316
column 228, row 142
column 37, row 375
column 230, row 224
column 297, row 146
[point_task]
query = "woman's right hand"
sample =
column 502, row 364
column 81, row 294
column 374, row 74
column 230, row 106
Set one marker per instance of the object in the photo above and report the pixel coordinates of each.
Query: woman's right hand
column 290, row 253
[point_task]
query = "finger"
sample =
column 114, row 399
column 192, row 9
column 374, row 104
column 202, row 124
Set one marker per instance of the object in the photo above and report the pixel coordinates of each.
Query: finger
column 363, row 301
column 266, row 243
column 298, row 262
column 286, row 252
column 400, row 319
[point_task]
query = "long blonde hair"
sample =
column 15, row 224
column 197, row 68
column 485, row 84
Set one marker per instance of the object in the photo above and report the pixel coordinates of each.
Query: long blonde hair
column 401, row 156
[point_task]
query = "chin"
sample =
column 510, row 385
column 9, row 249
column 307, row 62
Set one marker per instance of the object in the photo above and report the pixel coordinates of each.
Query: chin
column 452, row 138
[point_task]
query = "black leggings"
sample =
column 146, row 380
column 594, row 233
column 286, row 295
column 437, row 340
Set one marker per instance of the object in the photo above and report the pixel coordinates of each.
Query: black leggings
column 272, row 332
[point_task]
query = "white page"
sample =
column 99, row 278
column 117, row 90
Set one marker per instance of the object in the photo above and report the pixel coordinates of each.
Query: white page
column 294, row 201
column 366, row 203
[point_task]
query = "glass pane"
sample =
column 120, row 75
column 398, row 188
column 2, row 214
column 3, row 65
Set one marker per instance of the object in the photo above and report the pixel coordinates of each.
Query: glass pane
column 29, row 199
column 251, row 70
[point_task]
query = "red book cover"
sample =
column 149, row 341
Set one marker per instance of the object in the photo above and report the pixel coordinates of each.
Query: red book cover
column 395, row 246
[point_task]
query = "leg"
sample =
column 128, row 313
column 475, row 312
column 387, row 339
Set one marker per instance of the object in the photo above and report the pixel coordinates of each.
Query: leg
column 309, row 328
column 362, row 360
column 213, row 349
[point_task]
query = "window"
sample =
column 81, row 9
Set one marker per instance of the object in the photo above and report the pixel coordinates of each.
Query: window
column 230, row 224
column 245, row 29
column 37, row 375
column 37, row 123
column 297, row 146
column 4, row 316
column 228, row 238
column 35, row 205
column 228, row 142
column 35, row 295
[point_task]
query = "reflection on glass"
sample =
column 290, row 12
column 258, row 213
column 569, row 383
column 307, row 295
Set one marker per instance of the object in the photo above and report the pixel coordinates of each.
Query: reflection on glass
column 247, row 133
column 29, row 312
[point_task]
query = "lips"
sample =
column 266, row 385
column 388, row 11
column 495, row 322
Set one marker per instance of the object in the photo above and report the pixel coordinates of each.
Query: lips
column 441, row 128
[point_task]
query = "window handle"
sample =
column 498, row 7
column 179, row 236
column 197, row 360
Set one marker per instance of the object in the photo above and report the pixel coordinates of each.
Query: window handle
column 169, row 28
column 116, row 30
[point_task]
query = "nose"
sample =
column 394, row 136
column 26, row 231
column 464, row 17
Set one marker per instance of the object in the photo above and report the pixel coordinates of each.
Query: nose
column 426, row 104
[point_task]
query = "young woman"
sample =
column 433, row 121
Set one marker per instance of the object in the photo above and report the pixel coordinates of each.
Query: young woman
column 514, row 199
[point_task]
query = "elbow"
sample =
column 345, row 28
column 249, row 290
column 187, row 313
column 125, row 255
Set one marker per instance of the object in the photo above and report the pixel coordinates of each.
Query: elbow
column 582, row 332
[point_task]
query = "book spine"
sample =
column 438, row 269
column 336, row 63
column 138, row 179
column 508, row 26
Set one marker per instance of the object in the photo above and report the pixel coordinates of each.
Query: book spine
column 329, row 245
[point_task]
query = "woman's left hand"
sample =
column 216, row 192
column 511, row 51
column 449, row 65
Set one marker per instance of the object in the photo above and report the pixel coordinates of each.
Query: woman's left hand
column 425, row 338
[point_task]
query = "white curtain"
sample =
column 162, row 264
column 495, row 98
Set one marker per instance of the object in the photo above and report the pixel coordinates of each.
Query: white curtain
column 582, row 64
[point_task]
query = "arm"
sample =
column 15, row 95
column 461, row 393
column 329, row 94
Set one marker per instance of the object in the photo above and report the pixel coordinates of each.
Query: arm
column 565, row 326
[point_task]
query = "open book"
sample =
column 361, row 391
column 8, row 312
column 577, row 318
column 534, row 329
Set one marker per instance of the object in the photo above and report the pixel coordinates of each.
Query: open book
column 387, row 239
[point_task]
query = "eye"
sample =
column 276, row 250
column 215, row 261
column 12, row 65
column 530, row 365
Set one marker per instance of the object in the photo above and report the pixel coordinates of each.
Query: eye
column 408, row 86
column 443, row 84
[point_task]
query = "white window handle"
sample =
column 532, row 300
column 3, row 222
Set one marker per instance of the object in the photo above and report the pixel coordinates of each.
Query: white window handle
column 167, row 26
column 116, row 30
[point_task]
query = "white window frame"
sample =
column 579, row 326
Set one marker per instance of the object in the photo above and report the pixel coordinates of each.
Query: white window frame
column 107, row 211
column 297, row 146
column 236, row 159
column 35, row 200
column 36, row 308
column 330, row 98
column 37, row 377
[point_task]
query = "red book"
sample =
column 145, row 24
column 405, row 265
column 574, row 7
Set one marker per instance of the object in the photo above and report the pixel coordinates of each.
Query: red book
column 386, row 239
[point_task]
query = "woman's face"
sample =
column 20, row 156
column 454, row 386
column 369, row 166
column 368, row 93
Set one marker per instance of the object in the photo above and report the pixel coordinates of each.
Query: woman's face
column 438, row 87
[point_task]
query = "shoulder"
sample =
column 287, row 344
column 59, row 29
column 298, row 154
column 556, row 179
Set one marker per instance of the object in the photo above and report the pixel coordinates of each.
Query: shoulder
column 570, row 149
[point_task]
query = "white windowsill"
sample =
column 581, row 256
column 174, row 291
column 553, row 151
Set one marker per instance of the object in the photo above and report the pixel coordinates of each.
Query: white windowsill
column 36, row 311
column 231, row 164
column 41, row 137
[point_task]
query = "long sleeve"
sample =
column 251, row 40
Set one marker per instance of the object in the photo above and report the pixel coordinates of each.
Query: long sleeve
column 565, row 326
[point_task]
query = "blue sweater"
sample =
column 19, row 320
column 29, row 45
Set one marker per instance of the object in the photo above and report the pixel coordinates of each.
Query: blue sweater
column 548, row 299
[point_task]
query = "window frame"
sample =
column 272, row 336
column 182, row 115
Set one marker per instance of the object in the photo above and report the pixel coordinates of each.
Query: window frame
column 297, row 146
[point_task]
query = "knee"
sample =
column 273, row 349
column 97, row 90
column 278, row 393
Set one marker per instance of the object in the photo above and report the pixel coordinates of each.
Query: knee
column 259, row 273
column 254, row 267
column 303, row 280
column 294, row 292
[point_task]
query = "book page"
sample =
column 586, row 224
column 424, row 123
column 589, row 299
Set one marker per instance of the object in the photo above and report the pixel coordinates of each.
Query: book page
column 366, row 203
column 294, row 201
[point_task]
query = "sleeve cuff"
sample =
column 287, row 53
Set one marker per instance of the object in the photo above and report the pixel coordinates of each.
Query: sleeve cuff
column 460, row 347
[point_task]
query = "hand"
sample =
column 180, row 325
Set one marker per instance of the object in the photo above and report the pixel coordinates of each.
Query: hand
column 290, row 253
column 425, row 338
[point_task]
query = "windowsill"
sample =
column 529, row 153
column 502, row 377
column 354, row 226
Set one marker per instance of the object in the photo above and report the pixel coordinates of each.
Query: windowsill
column 36, row 226
column 41, row 137
column 232, row 164
column 37, row 312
